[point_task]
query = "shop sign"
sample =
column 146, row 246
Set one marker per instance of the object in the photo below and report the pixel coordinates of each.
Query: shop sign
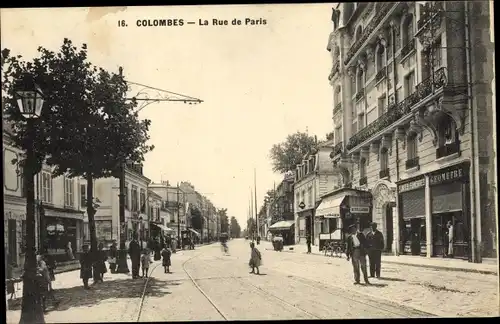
column 412, row 185
column 302, row 205
column 447, row 175
column 359, row 210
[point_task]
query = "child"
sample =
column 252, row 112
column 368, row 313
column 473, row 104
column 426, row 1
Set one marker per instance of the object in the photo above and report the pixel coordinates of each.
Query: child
column 165, row 254
column 255, row 259
column 145, row 260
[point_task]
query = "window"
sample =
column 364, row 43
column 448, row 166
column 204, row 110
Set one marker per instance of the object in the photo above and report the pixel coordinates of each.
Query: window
column 46, row 187
column 407, row 33
column 362, row 168
column 360, row 81
column 361, row 121
column 338, row 134
column 83, row 195
column 409, row 83
column 309, row 197
column 371, row 116
column 355, row 127
column 384, row 163
column 433, row 58
column 143, row 201
column 127, row 196
column 382, row 105
column 69, row 192
column 411, row 146
column 445, row 131
column 380, row 58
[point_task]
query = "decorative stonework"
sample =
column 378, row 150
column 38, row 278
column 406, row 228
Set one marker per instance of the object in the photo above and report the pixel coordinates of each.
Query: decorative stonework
column 370, row 54
column 355, row 157
column 374, row 148
column 365, row 154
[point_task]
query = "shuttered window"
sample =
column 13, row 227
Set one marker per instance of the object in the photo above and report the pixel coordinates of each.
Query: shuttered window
column 413, row 204
column 446, row 198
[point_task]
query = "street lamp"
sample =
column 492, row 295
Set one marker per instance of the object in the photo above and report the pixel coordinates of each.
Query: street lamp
column 30, row 102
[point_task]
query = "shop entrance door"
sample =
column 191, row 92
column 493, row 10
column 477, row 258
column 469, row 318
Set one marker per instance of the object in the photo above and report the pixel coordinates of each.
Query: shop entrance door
column 415, row 239
column 389, row 228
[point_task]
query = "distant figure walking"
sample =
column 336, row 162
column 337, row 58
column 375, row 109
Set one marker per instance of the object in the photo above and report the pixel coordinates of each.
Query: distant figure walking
column 113, row 254
column 145, row 261
column 134, row 250
column 255, row 259
column 356, row 251
column 166, row 254
column 101, row 262
column 375, row 240
column 85, row 266
column 308, row 241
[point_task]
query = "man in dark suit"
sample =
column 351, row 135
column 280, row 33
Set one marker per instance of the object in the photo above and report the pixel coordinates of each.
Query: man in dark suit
column 134, row 250
column 375, row 241
column 356, row 251
column 308, row 241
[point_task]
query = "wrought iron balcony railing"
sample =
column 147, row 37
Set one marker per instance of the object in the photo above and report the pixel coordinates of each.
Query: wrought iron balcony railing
column 337, row 108
column 360, row 94
column 384, row 173
column 448, row 149
column 399, row 110
column 408, row 48
column 381, row 74
column 363, row 181
column 337, row 149
column 372, row 25
column 412, row 163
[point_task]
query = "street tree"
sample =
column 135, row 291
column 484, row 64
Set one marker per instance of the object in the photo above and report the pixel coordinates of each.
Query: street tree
column 251, row 226
column 286, row 155
column 224, row 220
column 235, row 227
column 88, row 127
column 196, row 218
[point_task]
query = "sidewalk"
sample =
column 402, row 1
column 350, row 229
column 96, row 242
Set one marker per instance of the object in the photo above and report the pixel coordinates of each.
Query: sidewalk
column 489, row 266
column 116, row 299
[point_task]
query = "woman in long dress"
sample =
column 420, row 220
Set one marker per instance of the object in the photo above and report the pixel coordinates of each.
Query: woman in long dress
column 69, row 252
column 255, row 259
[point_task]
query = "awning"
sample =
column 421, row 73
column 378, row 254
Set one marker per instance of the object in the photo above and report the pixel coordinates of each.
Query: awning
column 163, row 228
column 282, row 225
column 330, row 206
column 195, row 232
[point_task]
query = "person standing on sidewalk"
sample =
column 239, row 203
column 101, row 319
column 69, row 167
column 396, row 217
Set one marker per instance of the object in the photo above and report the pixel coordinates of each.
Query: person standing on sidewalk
column 101, row 262
column 145, row 261
column 255, row 259
column 113, row 254
column 85, row 266
column 166, row 262
column 308, row 241
column 375, row 240
column 356, row 251
column 449, row 225
column 134, row 250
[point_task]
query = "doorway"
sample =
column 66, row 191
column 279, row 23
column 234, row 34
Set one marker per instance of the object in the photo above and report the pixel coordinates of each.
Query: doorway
column 389, row 228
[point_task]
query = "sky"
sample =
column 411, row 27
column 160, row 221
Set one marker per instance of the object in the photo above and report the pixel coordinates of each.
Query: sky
column 258, row 83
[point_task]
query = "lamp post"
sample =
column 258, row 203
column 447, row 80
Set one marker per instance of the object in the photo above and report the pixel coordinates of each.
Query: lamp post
column 122, row 266
column 30, row 101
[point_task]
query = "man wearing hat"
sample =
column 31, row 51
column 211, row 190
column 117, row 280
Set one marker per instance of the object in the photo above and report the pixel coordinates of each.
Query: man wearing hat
column 356, row 252
column 375, row 240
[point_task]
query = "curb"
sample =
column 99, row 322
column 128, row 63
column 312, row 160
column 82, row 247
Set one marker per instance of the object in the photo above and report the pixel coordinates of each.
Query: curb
column 428, row 266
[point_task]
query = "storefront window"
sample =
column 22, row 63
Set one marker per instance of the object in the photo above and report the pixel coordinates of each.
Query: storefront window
column 60, row 231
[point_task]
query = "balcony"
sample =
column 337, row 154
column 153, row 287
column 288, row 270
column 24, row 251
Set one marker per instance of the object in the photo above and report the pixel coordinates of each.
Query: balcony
column 412, row 163
column 363, row 181
column 359, row 95
column 397, row 111
column 381, row 74
column 337, row 149
column 448, row 149
column 369, row 30
column 408, row 48
column 383, row 173
column 338, row 107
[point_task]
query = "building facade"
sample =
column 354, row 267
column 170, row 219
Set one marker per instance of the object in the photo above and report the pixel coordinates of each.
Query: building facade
column 107, row 217
column 59, row 220
column 281, row 205
column 313, row 178
column 410, row 130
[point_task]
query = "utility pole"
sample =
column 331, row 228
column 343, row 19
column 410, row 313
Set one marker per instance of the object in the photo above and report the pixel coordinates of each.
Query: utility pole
column 122, row 266
column 255, row 202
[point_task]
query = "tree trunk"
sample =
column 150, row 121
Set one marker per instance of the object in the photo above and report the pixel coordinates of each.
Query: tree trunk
column 93, row 237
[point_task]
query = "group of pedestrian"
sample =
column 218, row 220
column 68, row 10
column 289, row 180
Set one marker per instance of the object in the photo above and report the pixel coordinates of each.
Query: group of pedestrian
column 142, row 257
column 359, row 246
column 45, row 275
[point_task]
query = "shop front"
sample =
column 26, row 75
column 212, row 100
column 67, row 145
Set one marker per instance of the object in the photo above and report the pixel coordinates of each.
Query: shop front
column 285, row 229
column 305, row 225
column 412, row 218
column 449, row 190
column 339, row 210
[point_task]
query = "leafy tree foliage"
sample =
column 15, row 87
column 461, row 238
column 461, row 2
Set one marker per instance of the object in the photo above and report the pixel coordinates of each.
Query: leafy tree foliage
column 286, row 155
column 251, row 228
column 235, row 227
column 224, row 220
column 87, row 127
column 196, row 218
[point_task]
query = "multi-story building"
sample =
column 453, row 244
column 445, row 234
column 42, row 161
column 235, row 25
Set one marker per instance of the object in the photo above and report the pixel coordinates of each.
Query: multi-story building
column 313, row 178
column 282, row 211
column 59, row 219
column 107, row 216
column 411, row 95
column 173, row 211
